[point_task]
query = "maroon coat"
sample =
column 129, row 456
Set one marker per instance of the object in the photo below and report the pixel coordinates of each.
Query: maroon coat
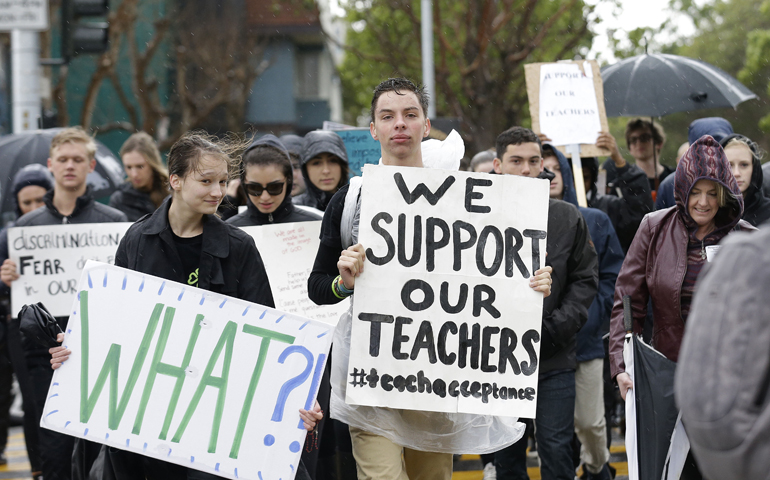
column 656, row 263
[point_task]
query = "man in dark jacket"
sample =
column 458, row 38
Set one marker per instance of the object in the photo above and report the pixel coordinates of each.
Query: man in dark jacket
column 590, row 420
column 573, row 258
column 70, row 201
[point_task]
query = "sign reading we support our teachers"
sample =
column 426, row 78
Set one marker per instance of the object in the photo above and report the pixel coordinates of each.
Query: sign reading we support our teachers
column 49, row 260
column 444, row 318
column 186, row 376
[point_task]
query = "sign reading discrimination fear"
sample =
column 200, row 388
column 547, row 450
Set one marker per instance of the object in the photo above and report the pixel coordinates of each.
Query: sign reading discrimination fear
column 185, row 375
column 288, row 251
column 444, row 318
column 49, row 260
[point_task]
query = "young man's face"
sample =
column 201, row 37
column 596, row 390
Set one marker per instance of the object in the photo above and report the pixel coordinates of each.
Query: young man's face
column 523, row 160
column 70, row 165
column 399, row 125
column 640, row 144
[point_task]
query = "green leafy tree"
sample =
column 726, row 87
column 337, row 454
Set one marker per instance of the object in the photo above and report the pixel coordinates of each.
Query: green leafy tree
column 480, row 48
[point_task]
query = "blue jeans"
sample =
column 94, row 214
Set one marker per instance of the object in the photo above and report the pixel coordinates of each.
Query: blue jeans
column 554, row 428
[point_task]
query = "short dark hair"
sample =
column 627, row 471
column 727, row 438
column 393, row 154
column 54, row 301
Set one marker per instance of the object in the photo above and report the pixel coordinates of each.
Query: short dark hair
column 658, row 135
column 515, row 136
column 397, row 85
column 265, row 155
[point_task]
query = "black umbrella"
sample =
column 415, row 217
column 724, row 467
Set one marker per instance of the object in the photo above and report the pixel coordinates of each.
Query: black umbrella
column 21, row 149
column 653, row 85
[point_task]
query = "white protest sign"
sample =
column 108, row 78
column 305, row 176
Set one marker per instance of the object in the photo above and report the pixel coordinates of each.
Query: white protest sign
column 288, row 251
column 49, row 260
column 569, row 113
column 23, row 15
column 444, row 318
column 199, row 379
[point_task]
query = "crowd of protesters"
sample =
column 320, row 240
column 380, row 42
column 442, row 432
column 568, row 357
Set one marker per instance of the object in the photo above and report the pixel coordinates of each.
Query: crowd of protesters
column 643, row 233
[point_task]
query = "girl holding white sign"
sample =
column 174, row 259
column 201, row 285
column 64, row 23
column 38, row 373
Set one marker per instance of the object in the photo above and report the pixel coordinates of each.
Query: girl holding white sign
column 184, row 241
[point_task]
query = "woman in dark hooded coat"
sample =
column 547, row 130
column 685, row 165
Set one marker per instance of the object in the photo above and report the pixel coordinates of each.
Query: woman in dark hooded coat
column 324, row 168
column 669, row 251
column 745, row 159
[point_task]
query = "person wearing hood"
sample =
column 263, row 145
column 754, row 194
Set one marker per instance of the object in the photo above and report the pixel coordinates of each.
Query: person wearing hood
column 295, row 144
column 72, row 158
column 324, row 168
column 147, row 184
column 671, row 248
column 29, row 187
column 718, row 128
column 745, row 159
column 266, row 180
column 590, row 418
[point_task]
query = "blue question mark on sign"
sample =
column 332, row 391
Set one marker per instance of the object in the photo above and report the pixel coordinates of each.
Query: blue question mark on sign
column 287, row 388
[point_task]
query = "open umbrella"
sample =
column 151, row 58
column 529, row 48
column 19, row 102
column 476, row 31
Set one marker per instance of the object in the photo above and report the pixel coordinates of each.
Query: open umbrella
column 21, row 149
column 653, row 85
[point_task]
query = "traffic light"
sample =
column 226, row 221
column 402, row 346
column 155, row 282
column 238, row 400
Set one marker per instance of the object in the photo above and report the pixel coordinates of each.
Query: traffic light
column 78, row 36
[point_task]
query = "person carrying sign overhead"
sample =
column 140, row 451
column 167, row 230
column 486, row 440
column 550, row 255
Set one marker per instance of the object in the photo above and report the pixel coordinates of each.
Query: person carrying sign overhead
column 72, row 159
column 400, row 123
column 572, row 256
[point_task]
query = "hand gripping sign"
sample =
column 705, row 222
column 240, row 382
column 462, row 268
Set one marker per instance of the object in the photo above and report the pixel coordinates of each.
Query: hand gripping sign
column 444, row 318
column 192, row 377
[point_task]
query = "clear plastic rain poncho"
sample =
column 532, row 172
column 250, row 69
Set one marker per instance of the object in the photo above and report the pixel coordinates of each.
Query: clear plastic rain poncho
column 418, row 430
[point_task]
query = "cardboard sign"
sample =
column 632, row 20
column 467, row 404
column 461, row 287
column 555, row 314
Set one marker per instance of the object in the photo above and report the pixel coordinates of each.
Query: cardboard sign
column 186, row 376
column 444, row 318
column 288, row 251
column 49, row 260
column 566, row 102
column 361, row 147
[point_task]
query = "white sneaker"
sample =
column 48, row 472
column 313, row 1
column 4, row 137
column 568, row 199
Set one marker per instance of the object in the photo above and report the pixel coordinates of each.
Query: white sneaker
column 490, row 473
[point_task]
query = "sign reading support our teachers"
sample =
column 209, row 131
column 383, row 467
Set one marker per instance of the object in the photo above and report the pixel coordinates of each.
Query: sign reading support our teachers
column 444, row 318
column 49, row 260
column 186, row 376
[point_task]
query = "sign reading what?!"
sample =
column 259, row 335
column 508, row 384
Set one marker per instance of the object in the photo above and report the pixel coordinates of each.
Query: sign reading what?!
column 192, row 377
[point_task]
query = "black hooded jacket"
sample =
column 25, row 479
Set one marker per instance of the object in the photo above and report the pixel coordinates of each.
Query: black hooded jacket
column 631, row 201
column 317, row 142
column 756, row 206
column 134, row 203
column 287, row 212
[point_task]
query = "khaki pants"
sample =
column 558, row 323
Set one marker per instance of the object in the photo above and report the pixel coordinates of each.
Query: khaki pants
column 377, row 458
column 590, row 425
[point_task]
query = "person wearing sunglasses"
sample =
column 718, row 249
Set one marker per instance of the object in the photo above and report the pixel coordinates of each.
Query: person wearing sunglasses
column 266, row 179
column 324, row 167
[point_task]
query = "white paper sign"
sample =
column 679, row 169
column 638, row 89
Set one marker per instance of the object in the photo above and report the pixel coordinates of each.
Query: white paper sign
column 186, row 376
column 49, row 260
column 23, row 15
column 288, row 251
column 569, row 113
column 443, row 316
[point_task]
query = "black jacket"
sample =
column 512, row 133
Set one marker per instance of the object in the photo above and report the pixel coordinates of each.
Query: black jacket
column 628, row 208
column 230, row 263
column 575, row 277
column 86, row 211
column 285, row 213
column 132, row 202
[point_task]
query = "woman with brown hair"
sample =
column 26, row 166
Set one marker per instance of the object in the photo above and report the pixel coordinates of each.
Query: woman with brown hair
column 147, row 184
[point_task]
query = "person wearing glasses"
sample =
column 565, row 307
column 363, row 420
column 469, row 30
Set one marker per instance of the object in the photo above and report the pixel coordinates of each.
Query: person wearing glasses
column 645, row 141
column 324, row 167
column 266, row 179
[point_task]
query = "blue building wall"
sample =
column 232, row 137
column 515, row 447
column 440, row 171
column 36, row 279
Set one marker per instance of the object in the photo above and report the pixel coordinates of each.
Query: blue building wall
column 272, row 99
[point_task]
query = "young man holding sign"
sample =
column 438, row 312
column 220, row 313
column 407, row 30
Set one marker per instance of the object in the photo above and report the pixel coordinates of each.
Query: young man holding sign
column 573, row 258
column 399, row 123
column 72, row 159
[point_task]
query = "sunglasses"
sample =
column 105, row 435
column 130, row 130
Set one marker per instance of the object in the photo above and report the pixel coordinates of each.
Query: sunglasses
column 644, row 138
column 256, row 189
